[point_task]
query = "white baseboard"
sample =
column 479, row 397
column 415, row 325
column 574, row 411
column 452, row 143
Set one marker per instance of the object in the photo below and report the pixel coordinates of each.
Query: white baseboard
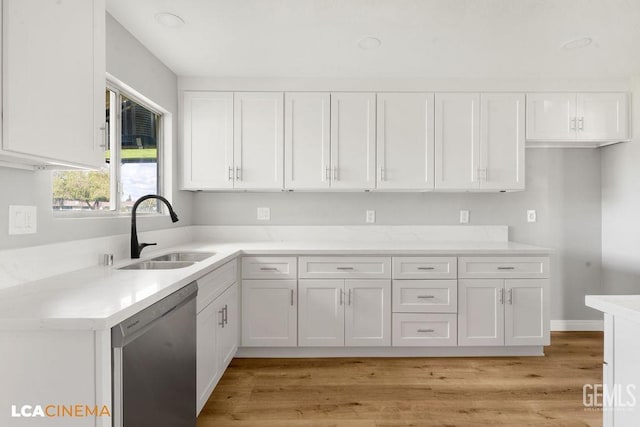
column 577, row 325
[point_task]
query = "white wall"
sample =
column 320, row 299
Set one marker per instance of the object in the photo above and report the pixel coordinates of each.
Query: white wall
column 621, row 210
column 563, row 185
column 134, row 65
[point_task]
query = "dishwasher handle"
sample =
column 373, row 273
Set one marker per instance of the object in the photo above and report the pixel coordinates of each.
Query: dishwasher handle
column 136, row 325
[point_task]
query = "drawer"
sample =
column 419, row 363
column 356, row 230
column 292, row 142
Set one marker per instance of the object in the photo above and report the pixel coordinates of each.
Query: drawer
column 425, row 296
column 425, row 267
column 258, row 267
column 503, row 267
column 424, row 330
column 345, row 267
column 211, row 285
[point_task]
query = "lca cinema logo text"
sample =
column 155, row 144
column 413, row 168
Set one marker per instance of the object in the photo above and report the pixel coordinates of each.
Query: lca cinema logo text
column 59, row 411
column 619, row 397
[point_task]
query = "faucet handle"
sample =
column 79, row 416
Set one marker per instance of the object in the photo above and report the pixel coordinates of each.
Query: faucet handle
column 144, row 245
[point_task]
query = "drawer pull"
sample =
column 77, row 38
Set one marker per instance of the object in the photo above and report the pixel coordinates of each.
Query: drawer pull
column 425, row 296
column 344, row 268
column 269, row 269
column 426, row 330
column 426, row 268
column 506, row 268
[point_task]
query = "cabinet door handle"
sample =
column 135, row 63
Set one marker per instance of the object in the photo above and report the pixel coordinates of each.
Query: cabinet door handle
column 341, row 297
column 426, row 296
column 501, row 297
column 426, row 268
column 238, row 174
column 269, row 269
column 349, row 300
column 230, row 174
column 581, row 123
column 292, row 298
column 344, row 268
column 226, row 314
column 103, row 129
column 382, row 174
column 221, row 312
column 426, row 330
column 573, row 123
column 506, row 268
column 327, row 173
column 510, row 296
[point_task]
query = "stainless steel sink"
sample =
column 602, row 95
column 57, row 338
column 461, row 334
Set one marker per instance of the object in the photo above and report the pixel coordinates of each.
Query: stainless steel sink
column 184, row 256
column 157, row 265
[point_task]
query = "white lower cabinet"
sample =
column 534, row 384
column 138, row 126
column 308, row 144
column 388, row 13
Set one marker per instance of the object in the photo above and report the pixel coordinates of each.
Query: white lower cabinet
column 497, row 312
column 217, row 341
column 338, row 312
column 424, row 329
column 269, row 313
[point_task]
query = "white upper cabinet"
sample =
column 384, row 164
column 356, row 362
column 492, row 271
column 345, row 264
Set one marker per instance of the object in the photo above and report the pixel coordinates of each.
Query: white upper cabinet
column 258, row 140
column 54, row 81
column 578, row 117
column 307, row 136
column 551, row 116
column 208, row 140
column 457, row 141
column 405, row 134
column 502, row 141
column 353, row 139
column 603, row 116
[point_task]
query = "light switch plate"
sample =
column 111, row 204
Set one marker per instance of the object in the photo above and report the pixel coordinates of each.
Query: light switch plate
column 532, row 216
column 464, row 217
column 23, row 219
column 264, row 214
column 371, row 217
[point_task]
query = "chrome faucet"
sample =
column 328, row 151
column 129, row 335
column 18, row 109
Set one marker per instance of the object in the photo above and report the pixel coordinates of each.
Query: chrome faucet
column 136, row 247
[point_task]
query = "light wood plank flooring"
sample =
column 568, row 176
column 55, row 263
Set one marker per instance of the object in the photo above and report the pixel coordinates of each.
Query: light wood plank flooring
column 509, row 391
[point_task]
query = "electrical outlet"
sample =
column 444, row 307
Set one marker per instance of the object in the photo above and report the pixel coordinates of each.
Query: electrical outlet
column 532, row 216
column 264, row 214
column 464, row 217
column 371, row 217
column 23, row 219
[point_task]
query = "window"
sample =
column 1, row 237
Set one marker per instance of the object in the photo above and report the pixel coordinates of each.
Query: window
column 132, row 159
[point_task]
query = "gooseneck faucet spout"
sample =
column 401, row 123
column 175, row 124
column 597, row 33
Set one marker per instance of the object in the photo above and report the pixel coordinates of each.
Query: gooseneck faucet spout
column 136, row 247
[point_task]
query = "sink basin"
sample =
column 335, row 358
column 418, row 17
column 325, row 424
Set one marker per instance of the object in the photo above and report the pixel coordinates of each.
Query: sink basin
column 158, row 265
column 184, row 256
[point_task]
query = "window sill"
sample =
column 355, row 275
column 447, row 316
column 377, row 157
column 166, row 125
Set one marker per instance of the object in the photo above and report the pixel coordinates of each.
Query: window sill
column 102, row 215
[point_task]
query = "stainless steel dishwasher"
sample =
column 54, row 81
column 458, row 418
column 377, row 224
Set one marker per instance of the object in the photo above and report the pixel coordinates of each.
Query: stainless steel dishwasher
column 154, row 364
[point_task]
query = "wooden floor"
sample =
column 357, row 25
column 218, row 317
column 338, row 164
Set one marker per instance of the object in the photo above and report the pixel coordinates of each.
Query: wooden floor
column 509, row 391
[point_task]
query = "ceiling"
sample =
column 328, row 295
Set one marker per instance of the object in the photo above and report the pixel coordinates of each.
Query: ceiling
column 420, row 38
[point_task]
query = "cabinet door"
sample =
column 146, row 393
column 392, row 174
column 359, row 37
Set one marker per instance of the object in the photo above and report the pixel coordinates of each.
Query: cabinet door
column 502, row 151
column 603, row 116
column 258, row 140
column 457, row 141
column 353, row 139
column 321, row 314
column 367, row 320
column 269, row 313
column 526, row 312
column 551, row 116
column 306, row 145
column 228, row 335
column 405, row 133
column 54, row 80
column 481, row 312
column 207, row 361
column 207, row 159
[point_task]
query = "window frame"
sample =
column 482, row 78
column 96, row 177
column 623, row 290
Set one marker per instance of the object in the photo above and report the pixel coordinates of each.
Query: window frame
column 163, row 156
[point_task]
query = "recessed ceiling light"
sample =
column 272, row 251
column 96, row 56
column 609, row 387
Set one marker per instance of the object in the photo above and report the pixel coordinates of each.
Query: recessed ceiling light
column 368, row 43
column 579, row 43
column 169, row 19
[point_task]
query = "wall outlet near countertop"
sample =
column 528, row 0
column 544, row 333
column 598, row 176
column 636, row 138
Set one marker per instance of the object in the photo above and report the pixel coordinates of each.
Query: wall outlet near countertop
column 464, row 217
column 264, row 214
column 23, row 219
column 532, row 216
column 370, row 217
